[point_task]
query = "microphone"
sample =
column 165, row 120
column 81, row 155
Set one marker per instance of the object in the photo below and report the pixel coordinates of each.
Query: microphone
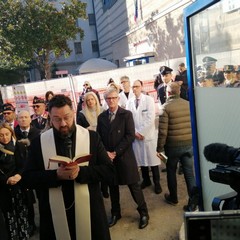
column 221, row 153
column 68, row 144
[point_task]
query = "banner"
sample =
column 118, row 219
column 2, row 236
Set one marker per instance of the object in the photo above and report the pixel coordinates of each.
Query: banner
column 20, row 97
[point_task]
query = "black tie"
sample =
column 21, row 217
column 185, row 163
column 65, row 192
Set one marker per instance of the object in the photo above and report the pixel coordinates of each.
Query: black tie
column 25, row 134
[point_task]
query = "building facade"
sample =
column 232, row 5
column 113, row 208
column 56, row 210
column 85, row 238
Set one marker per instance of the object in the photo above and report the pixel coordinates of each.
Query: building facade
column 140, row 31
column 128, row 33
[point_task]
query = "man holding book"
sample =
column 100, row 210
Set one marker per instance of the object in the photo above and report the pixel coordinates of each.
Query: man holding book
column 70, row 203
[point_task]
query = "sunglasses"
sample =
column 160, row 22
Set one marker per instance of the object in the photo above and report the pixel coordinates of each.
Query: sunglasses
column 6, row 113
column 36, row 106
column 85, row 85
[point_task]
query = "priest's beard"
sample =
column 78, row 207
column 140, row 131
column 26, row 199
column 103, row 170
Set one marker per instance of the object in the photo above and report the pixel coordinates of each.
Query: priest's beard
column 64, row 131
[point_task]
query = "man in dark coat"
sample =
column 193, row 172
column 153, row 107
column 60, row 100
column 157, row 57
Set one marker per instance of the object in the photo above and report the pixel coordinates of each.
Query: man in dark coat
column 67, row 179
column 24, row 129
column 25, row 133
column 118, row 134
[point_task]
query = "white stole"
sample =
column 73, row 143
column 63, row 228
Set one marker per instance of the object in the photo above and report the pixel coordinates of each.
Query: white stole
column 81, row 192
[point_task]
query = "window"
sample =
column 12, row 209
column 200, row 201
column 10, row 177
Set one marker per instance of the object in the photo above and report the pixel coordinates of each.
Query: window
column 91, row 19
column 78, row 47
column 95, row 46
column 107, row 4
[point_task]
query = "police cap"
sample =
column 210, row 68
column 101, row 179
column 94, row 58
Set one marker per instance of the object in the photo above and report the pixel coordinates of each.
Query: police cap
column 209, row 60
column 37, row 100
column 8, row 107
column 228, row 68
column 165, row 70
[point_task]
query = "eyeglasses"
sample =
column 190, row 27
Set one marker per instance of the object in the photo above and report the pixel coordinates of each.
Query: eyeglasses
column 36, row 106
column 136, row 86
column 111, row 98
column 7, row 113
column 65, row 119
column 123, row 82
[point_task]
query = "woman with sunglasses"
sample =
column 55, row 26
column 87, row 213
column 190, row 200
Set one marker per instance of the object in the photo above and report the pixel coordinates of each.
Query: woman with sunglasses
column 12, row 200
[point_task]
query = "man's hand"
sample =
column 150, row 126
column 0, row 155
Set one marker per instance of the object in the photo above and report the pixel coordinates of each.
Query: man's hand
column 65, row 172
column 14, row 179
column 139, row 136
column 111, row 155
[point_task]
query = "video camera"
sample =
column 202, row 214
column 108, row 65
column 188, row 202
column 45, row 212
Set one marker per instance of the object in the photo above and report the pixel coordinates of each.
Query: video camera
column 228, row 169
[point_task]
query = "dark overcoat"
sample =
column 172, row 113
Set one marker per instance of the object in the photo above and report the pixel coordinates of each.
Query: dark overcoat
column 33, row 132
column 118, row 136
column 99, row 169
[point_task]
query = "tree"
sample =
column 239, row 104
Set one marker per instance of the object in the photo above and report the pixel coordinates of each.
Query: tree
column 36, row 31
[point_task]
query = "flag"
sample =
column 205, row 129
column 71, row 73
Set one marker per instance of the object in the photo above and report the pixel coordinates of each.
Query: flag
column 136, row 10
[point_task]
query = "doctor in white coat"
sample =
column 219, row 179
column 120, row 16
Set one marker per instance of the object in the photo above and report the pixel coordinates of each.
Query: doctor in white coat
column 143, row 108
column 126, row 92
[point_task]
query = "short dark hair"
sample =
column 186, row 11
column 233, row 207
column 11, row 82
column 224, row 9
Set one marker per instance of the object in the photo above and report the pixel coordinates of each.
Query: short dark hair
column 47, row 94
column 58, row 101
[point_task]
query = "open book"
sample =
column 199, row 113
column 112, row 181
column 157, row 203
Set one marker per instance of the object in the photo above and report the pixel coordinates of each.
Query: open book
column 68, row 161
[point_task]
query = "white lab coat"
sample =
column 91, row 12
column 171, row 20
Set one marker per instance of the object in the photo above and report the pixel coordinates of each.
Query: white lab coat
column 144, row 120
column 123, row 99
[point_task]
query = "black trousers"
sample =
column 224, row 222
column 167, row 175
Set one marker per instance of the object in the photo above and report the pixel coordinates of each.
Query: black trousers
column 155, row 173
column 137, row 195
column 3, row 229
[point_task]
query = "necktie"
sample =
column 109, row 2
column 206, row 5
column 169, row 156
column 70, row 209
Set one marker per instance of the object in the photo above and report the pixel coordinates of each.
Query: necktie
column 39, row 120
column 137, row 102
column 111, row 114
column 25, row 134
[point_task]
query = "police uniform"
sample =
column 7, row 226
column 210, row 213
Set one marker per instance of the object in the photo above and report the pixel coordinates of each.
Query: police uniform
column 39, row 122
column 217, row 75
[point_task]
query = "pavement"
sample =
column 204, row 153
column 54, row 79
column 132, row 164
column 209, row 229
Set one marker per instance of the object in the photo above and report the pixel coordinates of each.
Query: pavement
column 166, row 221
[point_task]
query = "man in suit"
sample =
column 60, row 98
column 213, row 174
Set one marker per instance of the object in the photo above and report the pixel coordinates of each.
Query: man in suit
column 70, row 204
column 143, row 108
column 24, row 129
column 116, row 128
column 40, row 116
column 25, row 133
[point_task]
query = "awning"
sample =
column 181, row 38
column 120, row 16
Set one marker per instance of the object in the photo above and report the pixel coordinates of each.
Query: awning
column 96, row 65
column 137, row 56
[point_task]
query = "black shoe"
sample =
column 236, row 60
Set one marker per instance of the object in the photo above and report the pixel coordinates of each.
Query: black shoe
column 164, row 170
column 158, row 188
column 113, row 220
column 169, row 200
column 145, row 184
column 143, row 222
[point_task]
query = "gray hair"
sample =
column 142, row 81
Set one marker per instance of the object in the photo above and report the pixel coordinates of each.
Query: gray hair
column 173, row 88
column 109, row 91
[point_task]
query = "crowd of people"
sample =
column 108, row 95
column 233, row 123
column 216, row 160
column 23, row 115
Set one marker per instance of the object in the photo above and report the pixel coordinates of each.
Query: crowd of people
column 208, row 75
column 118, row 138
